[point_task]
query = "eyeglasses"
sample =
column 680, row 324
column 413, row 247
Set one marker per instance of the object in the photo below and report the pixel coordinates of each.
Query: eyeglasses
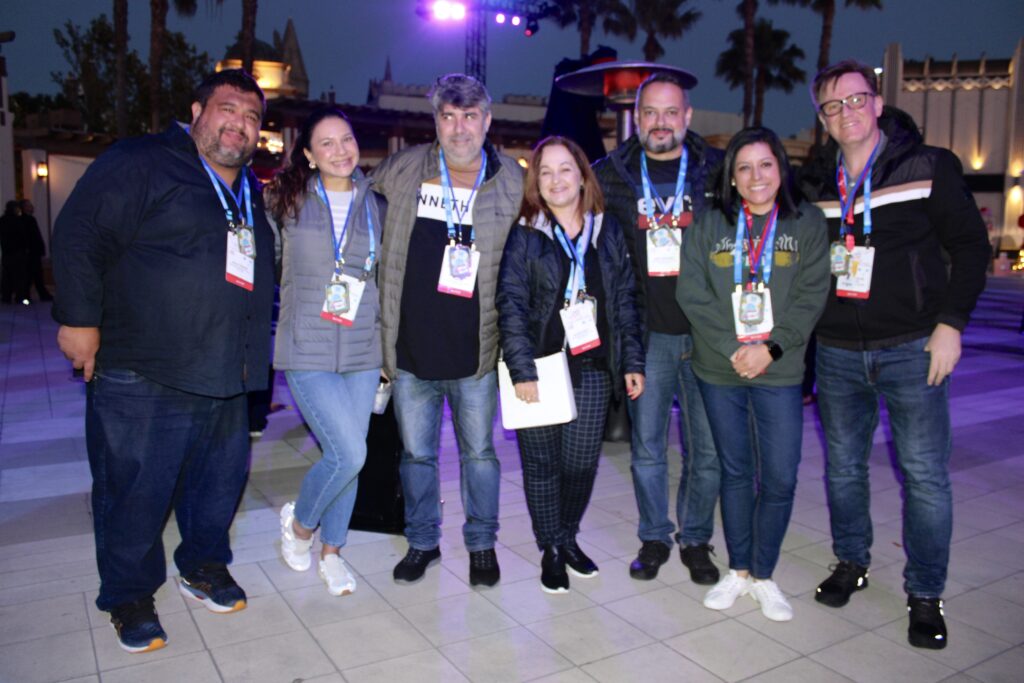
column 855, row 101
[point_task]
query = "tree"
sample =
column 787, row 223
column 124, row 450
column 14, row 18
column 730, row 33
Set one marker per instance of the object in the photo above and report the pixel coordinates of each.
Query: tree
column 248, row 35
column 748, row 12
column 656, row 18
column 120, row 66
column 827, row 10
column 89, row 83
column 585, row 14
column 775, row 58
column 157, row 39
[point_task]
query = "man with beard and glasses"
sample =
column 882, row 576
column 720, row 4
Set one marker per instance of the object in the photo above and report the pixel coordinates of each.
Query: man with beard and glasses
column 654, row 185
column 164, row 263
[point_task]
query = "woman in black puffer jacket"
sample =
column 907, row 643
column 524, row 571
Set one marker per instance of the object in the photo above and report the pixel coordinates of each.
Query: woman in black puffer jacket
column 549, row 265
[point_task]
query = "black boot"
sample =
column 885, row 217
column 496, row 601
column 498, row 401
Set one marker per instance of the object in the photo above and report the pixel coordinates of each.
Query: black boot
column 553, row 577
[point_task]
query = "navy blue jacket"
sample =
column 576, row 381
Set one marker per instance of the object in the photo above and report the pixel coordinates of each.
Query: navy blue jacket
column 139, row 251
column 530, row 287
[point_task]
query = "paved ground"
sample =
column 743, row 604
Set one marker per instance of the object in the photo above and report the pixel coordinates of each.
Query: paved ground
column 610, row 628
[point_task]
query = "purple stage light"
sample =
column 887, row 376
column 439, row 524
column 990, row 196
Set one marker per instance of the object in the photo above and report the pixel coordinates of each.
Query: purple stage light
column 516, row 20
column 499, row 18
column 443, row 10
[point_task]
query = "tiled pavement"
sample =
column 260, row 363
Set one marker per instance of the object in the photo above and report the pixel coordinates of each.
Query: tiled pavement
column 607, row 629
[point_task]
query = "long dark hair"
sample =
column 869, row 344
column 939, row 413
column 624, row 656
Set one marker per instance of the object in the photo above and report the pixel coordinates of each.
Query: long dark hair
column 729, row 197
column 591, row 199
column 288, row 186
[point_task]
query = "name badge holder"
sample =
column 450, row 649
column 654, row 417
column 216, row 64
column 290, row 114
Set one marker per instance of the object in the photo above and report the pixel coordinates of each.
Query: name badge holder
column 460, row 262
column 240, row 251
column 850, row 264
column 752, row 304
column 344, row 292
column 663, row 241
column 579, row 313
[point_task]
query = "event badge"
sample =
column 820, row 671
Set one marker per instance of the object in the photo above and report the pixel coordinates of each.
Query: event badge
column 241, row 267
column 458, row 270
column 839, row 259
column 752, row 314
column 663, row 251
column 856, row 283
column 341, row 300
column 246, row 240
column 580, row 324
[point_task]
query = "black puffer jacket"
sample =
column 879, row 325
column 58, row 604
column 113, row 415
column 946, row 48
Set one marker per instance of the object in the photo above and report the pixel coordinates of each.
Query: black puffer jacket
column 923, row 216
column 618, row 174
column 529, row 289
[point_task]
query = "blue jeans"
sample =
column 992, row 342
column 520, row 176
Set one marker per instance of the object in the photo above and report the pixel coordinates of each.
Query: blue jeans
column 849, row 386
column 146, row 441
column 759, row 433
column 418, row 408
column 337, row 407
column 668, row 373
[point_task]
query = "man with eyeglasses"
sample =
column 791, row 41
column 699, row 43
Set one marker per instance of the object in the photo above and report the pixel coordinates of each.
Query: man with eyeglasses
column 908, row 256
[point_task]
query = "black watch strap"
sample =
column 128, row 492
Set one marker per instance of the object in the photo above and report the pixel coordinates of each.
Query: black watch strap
column 774, row 350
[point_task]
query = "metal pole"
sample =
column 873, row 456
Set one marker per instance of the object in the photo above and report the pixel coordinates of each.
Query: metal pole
column 476, row 44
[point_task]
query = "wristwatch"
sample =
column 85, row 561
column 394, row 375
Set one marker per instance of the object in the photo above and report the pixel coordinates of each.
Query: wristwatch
column 774, row 350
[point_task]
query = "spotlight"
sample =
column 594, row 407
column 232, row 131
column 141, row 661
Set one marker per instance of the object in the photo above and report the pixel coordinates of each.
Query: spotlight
column 532, row 26
column 458, row 11
column 516, row 20
column 499, row 18
column 42, row 170
column 442, row 10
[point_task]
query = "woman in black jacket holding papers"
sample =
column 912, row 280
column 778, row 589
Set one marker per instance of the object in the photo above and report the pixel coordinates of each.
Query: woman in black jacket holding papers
column 565, row 282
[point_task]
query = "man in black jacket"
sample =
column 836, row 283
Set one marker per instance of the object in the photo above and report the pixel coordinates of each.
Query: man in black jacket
column 653, row 184
column 164, row 263
column 891, row 328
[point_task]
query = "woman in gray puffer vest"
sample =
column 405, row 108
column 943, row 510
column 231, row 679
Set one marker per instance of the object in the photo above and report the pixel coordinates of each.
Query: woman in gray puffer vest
column 328, row 336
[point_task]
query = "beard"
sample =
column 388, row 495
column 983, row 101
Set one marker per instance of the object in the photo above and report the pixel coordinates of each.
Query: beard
column 661, row 147
column 208, row 142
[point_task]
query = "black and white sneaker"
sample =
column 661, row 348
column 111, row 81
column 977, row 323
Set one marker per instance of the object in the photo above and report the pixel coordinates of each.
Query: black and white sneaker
column 137, row 627
column 213, row 586
column 927, row 625
column 414, row 564
column 846, row 579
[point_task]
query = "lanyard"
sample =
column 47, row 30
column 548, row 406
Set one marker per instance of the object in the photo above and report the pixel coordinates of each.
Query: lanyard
column 244, row 192
column 449, row 197
column 578, row 257
column 649, row 201
column 848, row 197
column 339, row 240
column 766, row 249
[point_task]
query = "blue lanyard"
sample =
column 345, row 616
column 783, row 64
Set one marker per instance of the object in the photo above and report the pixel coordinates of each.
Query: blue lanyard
column 449, row 197
column 218, row 181
column 339, row 240
column 578, row 257
column 764, row 256
column 649, row 201
column 848, row 197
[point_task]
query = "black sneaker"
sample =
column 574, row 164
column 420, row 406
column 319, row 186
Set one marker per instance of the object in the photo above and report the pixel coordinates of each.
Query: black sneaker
column 577, row 561
column 137, row 626
column 213, row 586
column 414, row 564
column 652, row 555
column 927, row 627
column 553, row 577
column 847, row 577
column 483, row 568
column 697, row 559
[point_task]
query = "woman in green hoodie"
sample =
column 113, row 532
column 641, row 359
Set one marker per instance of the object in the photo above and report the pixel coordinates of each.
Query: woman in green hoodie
column 753, row 282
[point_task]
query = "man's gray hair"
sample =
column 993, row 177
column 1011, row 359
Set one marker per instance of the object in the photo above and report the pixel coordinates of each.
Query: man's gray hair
column 459, row 90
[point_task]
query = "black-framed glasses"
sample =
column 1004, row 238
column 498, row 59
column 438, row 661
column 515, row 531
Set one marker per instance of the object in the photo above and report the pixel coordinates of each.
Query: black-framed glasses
column 855, row 101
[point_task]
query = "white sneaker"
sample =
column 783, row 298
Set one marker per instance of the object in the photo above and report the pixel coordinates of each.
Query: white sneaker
column 725, row 592
column 773, row 603
column 294, row 550
column 336, row 575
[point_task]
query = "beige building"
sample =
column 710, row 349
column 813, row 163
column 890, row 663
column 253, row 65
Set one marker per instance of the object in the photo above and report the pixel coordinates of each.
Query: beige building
column 975, row 107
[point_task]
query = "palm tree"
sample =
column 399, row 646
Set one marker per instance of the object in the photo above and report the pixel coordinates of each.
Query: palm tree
column 248, row 34
column 120, row 67
column 827, row 10
column 775, row 58
column 157, row 37
column 748, row 11
column 656, row 18
column 585, row 14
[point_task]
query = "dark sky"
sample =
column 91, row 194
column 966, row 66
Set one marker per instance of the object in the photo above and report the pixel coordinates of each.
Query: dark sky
column 346, row 42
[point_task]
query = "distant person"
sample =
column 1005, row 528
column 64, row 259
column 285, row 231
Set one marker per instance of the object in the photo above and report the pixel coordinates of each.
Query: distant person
column 451, row 204
column 14, row 254
column 328, row 335
column 898, row 208
column 566, row 253
column 36, row 250
column 753, row 283
column 655, row 184
column 164, row 263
